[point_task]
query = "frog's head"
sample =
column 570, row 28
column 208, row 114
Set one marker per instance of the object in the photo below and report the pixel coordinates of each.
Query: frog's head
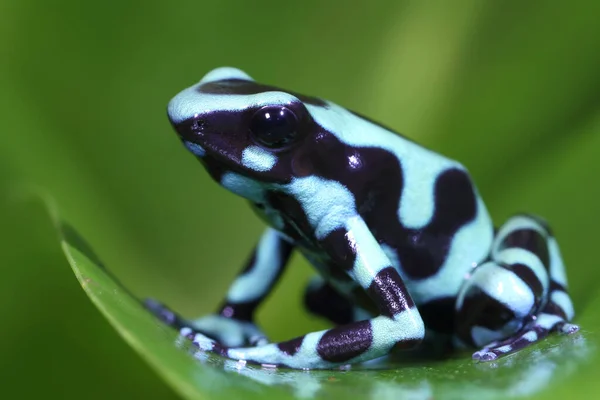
column 232, row 123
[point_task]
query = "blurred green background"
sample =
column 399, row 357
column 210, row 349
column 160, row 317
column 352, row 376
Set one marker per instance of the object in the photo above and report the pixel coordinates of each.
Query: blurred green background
column 512, row 89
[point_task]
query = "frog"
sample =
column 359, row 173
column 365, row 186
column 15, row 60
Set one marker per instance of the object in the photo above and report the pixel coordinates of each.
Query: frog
column 402, row 243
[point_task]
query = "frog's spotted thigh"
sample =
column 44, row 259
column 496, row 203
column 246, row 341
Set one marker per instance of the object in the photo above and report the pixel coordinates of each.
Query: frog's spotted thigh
column 398, row 234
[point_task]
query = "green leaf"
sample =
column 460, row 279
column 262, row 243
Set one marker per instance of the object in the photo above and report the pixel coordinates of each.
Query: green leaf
column 156, row 343
column 196, row 374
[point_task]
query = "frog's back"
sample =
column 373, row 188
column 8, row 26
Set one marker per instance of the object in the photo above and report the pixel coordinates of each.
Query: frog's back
column 421, row 206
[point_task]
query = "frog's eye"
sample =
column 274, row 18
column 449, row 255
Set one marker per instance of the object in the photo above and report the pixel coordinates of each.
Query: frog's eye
column 274, row 126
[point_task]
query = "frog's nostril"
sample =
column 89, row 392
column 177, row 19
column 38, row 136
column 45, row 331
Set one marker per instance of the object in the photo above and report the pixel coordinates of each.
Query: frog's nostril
column 199, row 125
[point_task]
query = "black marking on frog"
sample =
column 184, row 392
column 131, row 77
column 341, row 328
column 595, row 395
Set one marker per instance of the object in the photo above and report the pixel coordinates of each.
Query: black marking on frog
column 530, row 240
column 389, row 291
column 292, row 346
column 531, row 279
column 330, row 342
column 479, row 309
column 439, row 314
column 245, row 87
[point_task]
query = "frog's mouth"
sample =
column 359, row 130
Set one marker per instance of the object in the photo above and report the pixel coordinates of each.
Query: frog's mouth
column 205, row 144
column 211, row 154
column 220, row 150
column 214, row 161
column 213, row 165
column 194, row 148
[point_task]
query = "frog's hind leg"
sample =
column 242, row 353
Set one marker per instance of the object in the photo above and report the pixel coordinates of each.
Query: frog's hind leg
column 519, row 296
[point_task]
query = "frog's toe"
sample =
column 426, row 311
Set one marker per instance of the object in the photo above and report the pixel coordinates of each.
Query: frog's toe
column 258, row 340
column 172, row 319
column 568, row 328
column 230, row 332
column 162, row 312
column 484, row 355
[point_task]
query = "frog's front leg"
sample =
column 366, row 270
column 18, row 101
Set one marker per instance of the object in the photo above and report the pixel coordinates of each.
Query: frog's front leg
column 233, row 324
column 353, row 248
column 518, row 297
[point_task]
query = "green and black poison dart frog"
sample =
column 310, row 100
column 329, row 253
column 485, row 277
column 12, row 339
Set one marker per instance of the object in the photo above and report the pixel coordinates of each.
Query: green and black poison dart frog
column 399, row 236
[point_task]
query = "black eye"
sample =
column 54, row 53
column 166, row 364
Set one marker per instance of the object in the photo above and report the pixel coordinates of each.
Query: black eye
column 274, row 126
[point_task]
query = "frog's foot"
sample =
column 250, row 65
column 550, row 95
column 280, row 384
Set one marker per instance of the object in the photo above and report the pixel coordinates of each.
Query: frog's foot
column 519, row 296
column 165, row 314
column 544, row 324
column 224, row 331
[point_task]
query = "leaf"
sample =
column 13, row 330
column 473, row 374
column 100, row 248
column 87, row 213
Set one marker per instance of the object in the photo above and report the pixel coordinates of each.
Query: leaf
column 157, row 344
column 200, row 375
